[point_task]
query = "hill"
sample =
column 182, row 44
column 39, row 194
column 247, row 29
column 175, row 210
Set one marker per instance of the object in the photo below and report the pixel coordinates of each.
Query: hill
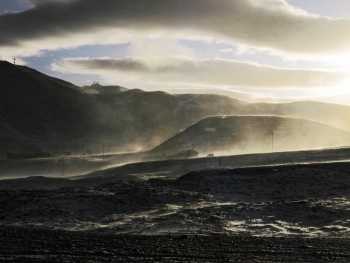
column 333, row 114
column 104, row 90
column 36, row 109
column 243, row 134
column 38, row 112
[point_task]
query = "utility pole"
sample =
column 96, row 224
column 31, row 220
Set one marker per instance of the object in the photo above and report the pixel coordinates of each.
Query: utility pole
column 229, row 143
column 14, row 61
column 62, row 168
column 232, row 136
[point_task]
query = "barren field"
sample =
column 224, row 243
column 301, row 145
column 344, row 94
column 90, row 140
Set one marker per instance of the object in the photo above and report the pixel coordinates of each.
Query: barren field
column 309, row 200
column 27, row 245
column 286, row 212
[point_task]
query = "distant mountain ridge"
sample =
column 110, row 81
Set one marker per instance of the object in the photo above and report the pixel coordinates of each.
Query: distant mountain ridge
column 38, row 111
column 43, row 113
column 104, row 90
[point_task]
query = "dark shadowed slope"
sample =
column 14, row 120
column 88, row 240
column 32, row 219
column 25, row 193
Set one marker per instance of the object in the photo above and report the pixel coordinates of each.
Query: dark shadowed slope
column 237, row 134
column 38, row 112
column 37, row 108
column 160, row 115
column 41, row 112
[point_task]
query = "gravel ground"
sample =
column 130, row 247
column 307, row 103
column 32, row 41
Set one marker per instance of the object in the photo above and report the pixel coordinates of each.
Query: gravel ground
column 281, row 201
column 291, row 213
column 34, row 245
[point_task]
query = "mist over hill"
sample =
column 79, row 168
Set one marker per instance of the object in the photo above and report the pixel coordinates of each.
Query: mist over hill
column 332, row 114
column 38, row 112
column 244, row 134
column 96, row 88
column 41, row 113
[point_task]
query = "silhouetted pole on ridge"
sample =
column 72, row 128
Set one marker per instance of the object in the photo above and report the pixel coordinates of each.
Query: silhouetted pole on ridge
column 14, row 61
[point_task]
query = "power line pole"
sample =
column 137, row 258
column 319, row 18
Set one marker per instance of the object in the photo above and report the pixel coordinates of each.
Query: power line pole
column 14, row 61
column 62, row 168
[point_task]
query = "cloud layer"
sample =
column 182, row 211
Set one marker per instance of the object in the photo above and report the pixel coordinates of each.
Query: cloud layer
column 209, row 72
column 270, row 24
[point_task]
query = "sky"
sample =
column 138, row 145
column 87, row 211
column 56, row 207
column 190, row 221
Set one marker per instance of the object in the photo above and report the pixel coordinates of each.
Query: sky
column 259, row 50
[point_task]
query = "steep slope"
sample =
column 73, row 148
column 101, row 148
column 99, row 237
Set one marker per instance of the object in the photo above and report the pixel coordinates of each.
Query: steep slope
column 38, row 112
column 242, row 134
column 41, row 112
column 160, row 115
column 41, row 108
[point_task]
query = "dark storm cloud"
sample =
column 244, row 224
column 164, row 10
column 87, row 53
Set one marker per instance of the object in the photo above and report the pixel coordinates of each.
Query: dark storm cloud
column 265, row 23
column 209, row 72
column 117, row 64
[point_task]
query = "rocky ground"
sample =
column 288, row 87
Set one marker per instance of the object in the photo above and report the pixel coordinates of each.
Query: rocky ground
column 289, row 200
column 292, row 213
column 32, row 245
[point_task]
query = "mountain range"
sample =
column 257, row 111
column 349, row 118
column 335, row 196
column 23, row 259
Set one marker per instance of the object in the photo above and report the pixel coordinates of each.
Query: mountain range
column 42, row 113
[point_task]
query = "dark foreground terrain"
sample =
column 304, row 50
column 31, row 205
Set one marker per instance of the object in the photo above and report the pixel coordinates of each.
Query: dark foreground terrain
column 308, row 200
column 32, row 245
column 279, row 213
